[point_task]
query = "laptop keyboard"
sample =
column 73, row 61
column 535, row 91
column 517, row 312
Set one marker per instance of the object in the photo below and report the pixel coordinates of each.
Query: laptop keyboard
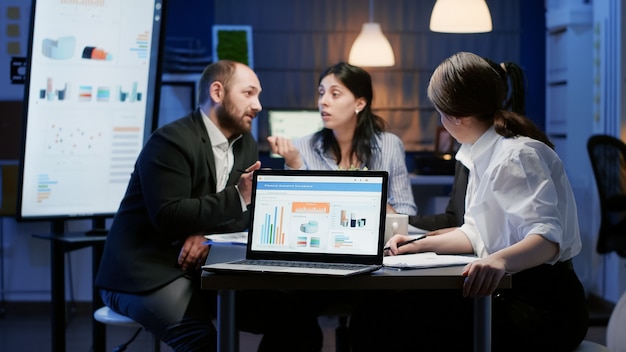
column 292, row 264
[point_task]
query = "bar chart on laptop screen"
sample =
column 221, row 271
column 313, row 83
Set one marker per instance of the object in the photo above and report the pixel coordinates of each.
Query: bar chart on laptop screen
column 272, row 227
column 333, row 216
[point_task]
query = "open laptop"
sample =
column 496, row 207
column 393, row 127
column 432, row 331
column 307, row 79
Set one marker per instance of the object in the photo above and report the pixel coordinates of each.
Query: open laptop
column 314, row 222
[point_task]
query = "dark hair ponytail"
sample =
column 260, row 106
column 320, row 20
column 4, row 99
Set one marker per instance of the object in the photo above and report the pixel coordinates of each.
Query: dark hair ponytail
column 516, row 100
column 466, row 84
column 509, row 124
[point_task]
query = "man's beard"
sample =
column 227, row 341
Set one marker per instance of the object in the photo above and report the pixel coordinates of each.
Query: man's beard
column 226, row 117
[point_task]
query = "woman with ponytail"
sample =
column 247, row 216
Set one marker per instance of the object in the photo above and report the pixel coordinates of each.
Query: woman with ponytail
column 513, row 78
column 520, row 219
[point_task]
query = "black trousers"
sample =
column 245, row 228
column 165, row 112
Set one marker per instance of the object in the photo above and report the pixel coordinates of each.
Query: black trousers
column 544, row 311
column 181, row 315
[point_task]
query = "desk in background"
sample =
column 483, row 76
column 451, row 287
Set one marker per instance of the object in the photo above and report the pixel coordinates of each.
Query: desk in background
column 59, row 245
column 431, row 192
column 422, row 279
column 431, row 180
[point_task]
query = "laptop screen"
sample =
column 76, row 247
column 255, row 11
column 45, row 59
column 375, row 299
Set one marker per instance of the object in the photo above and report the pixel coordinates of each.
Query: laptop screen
column 318, row 212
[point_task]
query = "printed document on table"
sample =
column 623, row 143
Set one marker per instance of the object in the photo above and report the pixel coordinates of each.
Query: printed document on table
column 425, row 260
column 233, row 238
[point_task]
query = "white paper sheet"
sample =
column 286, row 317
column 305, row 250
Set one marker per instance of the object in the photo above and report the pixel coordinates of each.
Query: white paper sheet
column 425, row 260
column 233, row 238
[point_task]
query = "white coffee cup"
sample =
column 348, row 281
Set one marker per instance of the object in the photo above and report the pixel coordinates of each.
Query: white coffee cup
column 396, row 223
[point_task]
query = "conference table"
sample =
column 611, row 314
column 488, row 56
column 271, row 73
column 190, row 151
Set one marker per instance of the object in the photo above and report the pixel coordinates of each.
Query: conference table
column 383, row 279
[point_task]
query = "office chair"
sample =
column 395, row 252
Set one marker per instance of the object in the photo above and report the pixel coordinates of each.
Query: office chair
column 590, row 346
column 608, row 160
column 106, row 316
column 615, row 338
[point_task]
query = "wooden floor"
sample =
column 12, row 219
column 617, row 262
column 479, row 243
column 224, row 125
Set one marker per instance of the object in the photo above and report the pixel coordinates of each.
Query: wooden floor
column 25, row 327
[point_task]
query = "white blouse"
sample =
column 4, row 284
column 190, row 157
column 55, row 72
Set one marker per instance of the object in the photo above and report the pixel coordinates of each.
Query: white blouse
column 517, row 187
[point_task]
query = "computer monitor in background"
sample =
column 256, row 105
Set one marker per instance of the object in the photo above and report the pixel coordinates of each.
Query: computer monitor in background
column 441, row 161
column 293, row 123
column 445, row 145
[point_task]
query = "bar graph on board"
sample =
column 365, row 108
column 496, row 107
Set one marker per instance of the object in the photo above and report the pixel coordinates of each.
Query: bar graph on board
column 44, row 184
column 126, row 144
column 142, row 43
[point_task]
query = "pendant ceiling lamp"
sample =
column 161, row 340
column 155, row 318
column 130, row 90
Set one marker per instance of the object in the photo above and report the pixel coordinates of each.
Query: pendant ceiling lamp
column 460, row 16
column 371, row 48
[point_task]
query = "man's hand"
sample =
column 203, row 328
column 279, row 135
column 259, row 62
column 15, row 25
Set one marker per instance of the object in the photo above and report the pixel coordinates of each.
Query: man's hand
column 245, row 182
column 194, row 252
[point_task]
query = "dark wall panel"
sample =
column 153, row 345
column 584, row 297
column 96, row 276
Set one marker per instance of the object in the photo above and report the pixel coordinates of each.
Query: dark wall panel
column 294, row 40
column 10, row 129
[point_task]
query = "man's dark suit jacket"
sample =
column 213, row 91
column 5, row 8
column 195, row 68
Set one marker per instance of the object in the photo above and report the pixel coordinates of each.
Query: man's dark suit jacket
column 171, row 195
column 453, row 217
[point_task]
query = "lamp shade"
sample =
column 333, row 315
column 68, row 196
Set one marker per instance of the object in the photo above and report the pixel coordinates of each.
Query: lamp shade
column 371, row 48
column 460, row 16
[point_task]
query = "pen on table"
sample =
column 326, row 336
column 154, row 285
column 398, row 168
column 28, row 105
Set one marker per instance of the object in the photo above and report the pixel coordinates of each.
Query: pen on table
column 405, row 242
